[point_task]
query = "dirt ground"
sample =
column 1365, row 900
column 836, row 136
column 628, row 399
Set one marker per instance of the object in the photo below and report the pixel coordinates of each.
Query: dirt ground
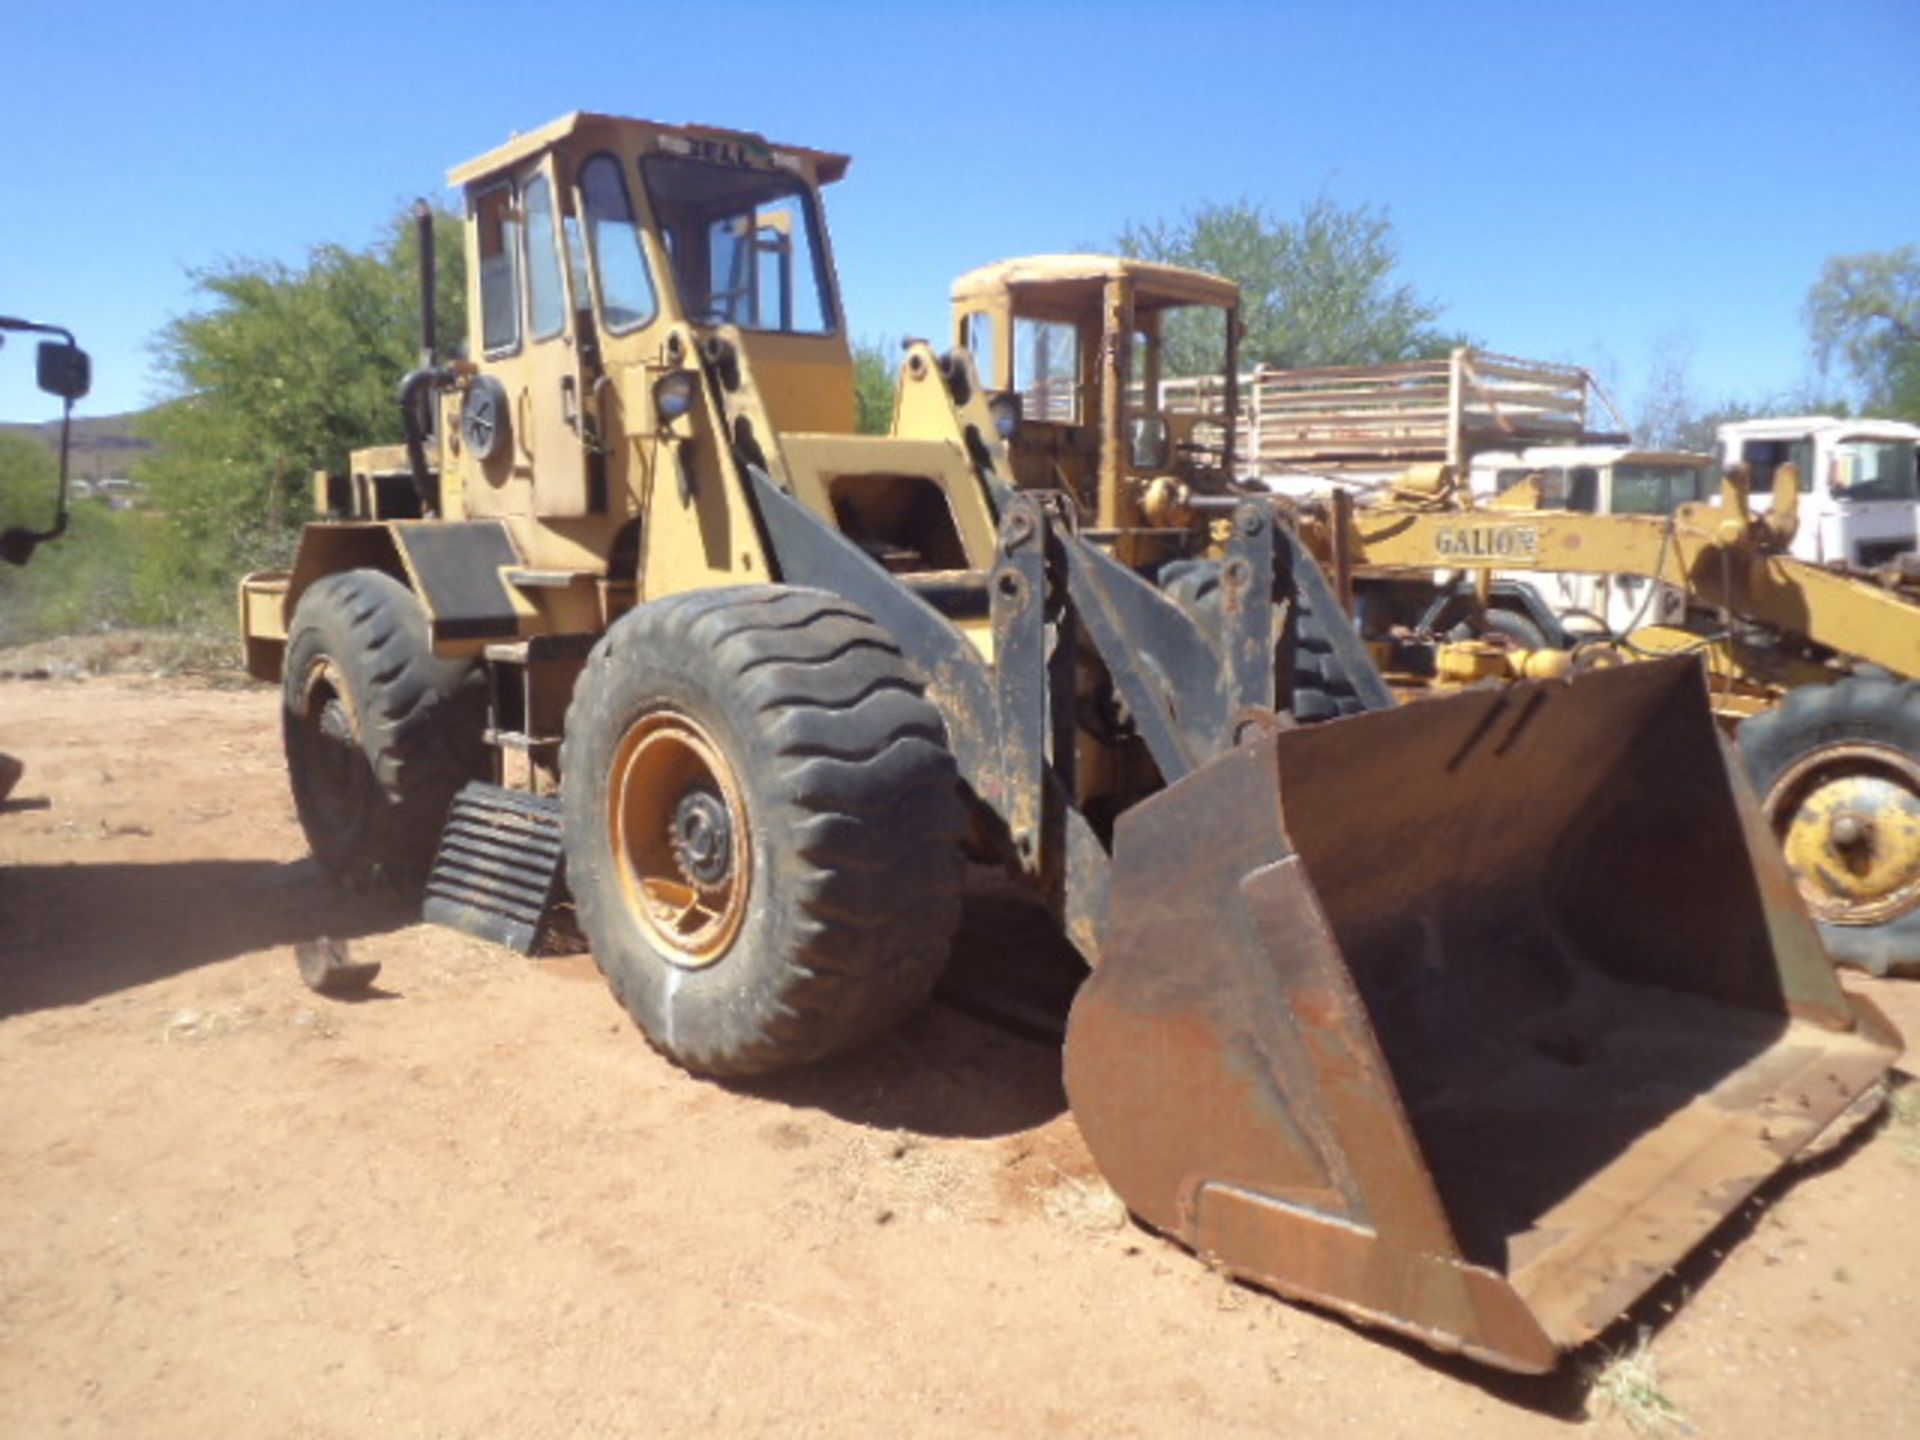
column 478, row 1204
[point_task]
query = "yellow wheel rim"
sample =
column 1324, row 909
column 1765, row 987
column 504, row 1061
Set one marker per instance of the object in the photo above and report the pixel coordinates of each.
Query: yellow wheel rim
column 679, row 835
column 1848, row 818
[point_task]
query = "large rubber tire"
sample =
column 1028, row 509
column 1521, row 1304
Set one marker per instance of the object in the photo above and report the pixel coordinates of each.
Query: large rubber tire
column 380, row 733
column 1848, row 753
column 1516, row 627
column 1321, row 687
column 795, row 714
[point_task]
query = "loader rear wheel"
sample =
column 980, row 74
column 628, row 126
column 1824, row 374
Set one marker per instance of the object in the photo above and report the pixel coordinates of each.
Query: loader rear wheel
column 1838, row 771
column 763, row 826
column 380, row 733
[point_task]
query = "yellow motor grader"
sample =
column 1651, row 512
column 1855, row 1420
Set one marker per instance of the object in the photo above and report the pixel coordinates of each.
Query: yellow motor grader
column 1809, row 666
column 1467, row 1021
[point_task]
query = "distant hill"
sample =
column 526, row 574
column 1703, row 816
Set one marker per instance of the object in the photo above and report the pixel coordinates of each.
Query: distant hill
column 104, row 447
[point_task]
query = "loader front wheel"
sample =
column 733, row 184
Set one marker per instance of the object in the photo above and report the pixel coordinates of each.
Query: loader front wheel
column 1838, row 771
column 1322, row 689
column 763, row 826
column 380, row 733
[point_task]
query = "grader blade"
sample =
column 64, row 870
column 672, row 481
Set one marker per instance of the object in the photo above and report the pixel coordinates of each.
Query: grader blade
column 1468, row 1019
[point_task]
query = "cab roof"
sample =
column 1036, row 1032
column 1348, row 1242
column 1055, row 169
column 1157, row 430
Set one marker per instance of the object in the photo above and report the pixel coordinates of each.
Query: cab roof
column 1560, row 456
column 1154, row 285
column 827, row 167
column 1831, row 427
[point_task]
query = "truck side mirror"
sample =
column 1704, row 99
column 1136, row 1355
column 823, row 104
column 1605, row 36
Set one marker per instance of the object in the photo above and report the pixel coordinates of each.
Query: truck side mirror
column 64, row 370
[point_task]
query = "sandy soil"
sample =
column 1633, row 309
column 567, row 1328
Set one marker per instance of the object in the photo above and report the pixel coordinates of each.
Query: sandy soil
column 479, row 1205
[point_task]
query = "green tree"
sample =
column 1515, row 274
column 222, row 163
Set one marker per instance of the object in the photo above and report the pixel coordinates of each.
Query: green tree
column 1668, row 410
column 1865, row 310
column 287, row 370
column 1699, row 430
column 29, row 479
column 873, row 385
column 82, row 581
column 1317, row 290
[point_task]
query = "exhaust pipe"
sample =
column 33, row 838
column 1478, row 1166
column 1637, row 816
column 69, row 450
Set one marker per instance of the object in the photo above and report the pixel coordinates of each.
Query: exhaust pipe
column 423, row 230
column 416, row 390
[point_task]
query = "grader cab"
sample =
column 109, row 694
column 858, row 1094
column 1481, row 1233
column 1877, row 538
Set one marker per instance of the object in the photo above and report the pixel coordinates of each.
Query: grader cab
column 636, row 613
column 1073, row 349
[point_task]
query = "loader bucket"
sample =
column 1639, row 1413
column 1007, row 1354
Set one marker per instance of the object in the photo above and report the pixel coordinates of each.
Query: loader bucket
column 1468, row 1019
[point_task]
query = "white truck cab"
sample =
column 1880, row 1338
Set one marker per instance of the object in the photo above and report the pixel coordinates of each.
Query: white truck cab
column 1859, row 492
column 1601, row 480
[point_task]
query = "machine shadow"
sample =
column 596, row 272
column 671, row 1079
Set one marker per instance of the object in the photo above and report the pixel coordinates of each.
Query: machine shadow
column 984, row 1059
column 73, row 933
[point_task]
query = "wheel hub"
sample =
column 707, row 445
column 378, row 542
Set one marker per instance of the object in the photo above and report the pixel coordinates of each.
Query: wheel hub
column 678, row 833
column 702, row 839
column 1848, row 818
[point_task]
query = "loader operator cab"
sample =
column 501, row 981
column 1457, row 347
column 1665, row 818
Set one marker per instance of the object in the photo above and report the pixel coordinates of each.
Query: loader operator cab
column 648, row 301
column 1077, row 350
column 589, row 241
column 654, row 330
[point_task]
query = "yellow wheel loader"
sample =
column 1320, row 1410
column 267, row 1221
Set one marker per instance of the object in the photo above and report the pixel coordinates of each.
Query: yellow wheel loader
column 1403, row 1014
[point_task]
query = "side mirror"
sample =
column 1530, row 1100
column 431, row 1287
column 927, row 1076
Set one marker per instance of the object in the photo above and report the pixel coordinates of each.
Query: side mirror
column 64, row 370
column 17, row 545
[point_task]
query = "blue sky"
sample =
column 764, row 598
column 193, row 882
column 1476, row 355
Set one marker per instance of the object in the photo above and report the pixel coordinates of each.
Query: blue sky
column 1576, row 182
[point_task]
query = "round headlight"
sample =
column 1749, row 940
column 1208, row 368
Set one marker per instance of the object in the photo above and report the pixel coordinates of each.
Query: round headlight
column 673, row 395
column 1006, row 413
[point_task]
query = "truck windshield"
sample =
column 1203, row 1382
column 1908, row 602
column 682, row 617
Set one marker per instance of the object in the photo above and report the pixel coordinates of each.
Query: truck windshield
column 1873, row 470
column 1656, row 489
column 745, row 244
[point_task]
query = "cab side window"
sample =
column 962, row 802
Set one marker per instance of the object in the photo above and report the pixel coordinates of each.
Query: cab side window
column 498, row 229
column 1583, row 489
column 1046, row 370
column 980, row 344
column 546, row 288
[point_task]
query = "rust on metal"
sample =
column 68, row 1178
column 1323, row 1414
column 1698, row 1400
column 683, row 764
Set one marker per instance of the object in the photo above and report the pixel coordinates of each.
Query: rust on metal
column 1467, row 1020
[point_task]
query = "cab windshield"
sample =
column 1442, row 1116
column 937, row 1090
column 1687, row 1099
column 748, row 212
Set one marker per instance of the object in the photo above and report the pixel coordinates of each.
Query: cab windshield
column 745, row 245
column 1873, row 470
column 1657, row 489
